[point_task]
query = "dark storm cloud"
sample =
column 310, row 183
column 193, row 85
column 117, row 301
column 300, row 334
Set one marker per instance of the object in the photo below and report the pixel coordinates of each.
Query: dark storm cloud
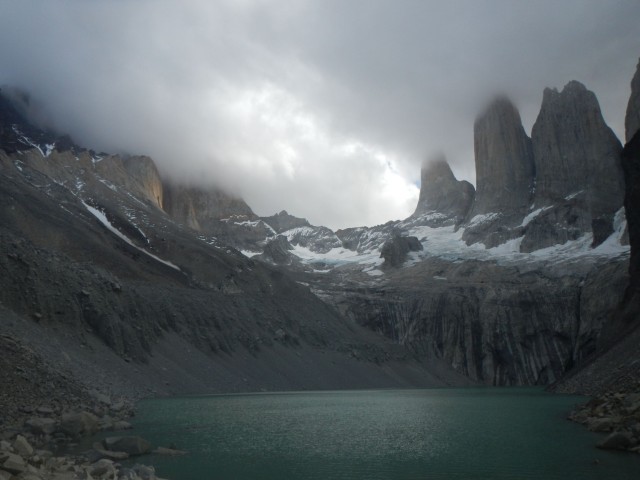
column 326, row 108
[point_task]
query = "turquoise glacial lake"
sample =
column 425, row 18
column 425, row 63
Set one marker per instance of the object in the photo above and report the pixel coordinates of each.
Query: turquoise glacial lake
column 473, row 433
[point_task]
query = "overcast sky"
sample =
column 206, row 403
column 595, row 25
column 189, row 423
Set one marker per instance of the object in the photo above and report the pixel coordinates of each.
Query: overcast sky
column 325, row 108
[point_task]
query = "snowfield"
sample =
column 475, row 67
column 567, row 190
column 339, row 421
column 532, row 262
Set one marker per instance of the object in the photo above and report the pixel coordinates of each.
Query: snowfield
column 446, row 243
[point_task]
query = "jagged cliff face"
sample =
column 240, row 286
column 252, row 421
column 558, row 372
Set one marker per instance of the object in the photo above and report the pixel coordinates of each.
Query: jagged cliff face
column 442, row 193
column 576, row 153
column 563, row 183
column 499, row 325
column 504, row 176
column 504, row 161
column 632, row 118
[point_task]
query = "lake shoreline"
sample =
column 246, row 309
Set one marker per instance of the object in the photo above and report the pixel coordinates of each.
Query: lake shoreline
column 35, row 391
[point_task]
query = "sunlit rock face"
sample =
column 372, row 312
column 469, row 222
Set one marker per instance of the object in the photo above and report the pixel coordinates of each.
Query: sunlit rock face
column 632, row 118
column 441, row 192
column 143, row 170
column 200, row 208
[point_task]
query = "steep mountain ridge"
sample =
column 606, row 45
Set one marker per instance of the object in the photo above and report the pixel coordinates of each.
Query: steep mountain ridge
column 89, row 260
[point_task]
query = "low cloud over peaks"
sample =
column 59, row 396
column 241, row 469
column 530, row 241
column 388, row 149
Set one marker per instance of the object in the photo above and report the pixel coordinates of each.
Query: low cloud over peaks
column 325, row 108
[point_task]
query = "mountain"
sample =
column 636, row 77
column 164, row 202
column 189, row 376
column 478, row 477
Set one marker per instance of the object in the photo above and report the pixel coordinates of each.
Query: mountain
column 504, row 173
column 113, row 277
column 512, row 283
column 442, row 195
column 579, row 183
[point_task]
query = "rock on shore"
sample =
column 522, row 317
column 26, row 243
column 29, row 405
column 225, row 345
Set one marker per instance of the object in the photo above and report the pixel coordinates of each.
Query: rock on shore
column 20, row 460
column 617, row 415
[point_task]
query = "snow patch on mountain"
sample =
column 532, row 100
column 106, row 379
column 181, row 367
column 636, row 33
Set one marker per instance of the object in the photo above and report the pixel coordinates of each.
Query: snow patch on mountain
column 483, row 218
column 336, row 256
column 102, row 218
column 526, row 220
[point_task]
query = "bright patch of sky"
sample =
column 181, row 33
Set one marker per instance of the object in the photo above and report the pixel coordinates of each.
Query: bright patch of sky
column 323, row 108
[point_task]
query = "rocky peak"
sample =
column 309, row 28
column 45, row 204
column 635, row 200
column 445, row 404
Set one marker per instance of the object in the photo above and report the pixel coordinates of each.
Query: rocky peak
column 504, row 161
column 632, row 118
column 282, row 221
column 441, row 192
column 576, row 153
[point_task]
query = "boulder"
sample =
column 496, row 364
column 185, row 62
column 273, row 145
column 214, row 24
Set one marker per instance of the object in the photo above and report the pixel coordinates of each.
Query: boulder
column 103, row 468
column 605, row 424
column 41, row 425
column 77, row 424
column 616, row 441
column 45, row 410
column 632, row 403
column 132, row 445
column 395, row 250
column 29, row 476
column 168, row 451
column 22, row 447
column 13, row 463
column 100, row 397
column 99, row 453
column 145, row 472
column 118, row 406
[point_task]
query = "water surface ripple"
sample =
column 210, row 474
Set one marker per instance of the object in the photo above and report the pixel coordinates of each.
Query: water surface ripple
column 480, row 433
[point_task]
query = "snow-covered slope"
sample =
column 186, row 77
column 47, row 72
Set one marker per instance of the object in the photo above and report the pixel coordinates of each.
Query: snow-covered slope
column 322, row 250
